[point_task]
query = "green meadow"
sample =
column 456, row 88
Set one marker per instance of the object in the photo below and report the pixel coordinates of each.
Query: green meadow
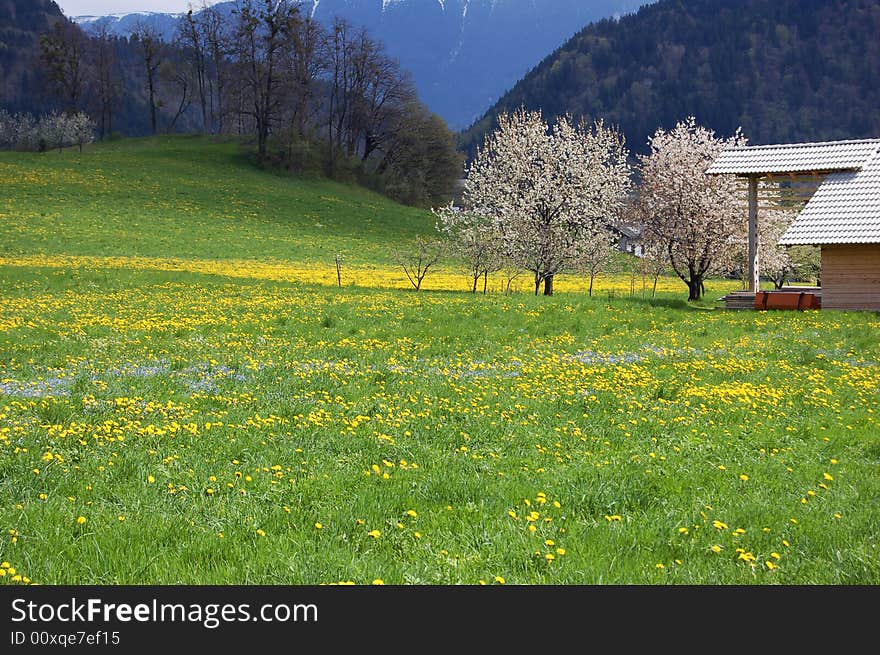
column 224, row 424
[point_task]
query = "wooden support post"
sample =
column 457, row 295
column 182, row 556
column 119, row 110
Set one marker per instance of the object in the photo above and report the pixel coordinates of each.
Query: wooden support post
column 754, row 273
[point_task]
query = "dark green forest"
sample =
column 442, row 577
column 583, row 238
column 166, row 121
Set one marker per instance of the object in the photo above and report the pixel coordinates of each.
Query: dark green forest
column 21, row 85
column 783, row 70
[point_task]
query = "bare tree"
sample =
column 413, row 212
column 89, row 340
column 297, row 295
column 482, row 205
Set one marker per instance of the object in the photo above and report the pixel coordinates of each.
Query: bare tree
column 178, row 76
column 107, row 83
column 337, row 55
column 190, row 39
column 261, row 34
column 62, row 53
column 306, row 62
column 153, row 52
column 418, row 257
column 215, row 37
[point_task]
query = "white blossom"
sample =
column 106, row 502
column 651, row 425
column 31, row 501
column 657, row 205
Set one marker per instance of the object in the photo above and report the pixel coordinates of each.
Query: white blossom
column 696, row 219
column 548, row 190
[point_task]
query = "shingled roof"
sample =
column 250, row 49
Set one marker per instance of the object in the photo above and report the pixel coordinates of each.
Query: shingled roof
column 845, row 209
column 827, row 157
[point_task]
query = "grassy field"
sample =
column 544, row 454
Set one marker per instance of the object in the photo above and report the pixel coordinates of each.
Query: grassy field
column 178, row 405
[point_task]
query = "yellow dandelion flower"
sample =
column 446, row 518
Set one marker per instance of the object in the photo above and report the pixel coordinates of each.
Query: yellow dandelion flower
column 719, row 525
column 151, row 479
column 378, row 582
column 715, row 549
column 412, row 513
column 375, row 534
column 500, row 580
column 318, row 526
column 827, row 476
column 80, row 519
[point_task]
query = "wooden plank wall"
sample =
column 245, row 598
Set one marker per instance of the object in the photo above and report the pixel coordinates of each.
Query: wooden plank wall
column 851, row 276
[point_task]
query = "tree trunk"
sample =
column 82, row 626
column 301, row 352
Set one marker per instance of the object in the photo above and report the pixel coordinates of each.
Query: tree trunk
column 485, row 282
column 695, row 288
column 548, row 285
column 537, row 284
column 476, row 279
column 592, row 279
column 152, row 107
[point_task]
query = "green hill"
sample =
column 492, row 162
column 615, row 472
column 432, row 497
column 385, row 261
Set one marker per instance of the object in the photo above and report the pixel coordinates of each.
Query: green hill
column 189, row 197
column 787, row 70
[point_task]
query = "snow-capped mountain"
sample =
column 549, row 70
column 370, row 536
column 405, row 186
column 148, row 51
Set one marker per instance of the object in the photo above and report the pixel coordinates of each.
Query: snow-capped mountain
column 463, row 54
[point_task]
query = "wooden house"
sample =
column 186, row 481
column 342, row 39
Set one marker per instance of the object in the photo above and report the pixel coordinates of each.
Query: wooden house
column 842, row 216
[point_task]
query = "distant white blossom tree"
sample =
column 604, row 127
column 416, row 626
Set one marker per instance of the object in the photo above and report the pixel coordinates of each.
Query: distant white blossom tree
column 596, row 252
column 81, row 129
column 694, row 218
column 55, row 130
column 474, row 239
column 548, row 190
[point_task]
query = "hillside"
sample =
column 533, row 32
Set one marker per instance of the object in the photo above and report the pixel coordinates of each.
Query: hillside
column 786, row 70
column 463, row 54
column 188, row 197
column 21, row 22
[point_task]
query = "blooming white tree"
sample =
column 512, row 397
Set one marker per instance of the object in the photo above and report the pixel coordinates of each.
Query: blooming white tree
column 54, row 131
column 80, row 129
column 696, row 219
column 474, row 239
column 24, row 132
column 595, row 252
column 547, row 189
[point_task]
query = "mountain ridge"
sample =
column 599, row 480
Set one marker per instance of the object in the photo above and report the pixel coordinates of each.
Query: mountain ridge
column 785, row 71
column 463, row 54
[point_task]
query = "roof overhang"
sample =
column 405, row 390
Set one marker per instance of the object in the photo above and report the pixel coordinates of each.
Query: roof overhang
column 795, row 159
